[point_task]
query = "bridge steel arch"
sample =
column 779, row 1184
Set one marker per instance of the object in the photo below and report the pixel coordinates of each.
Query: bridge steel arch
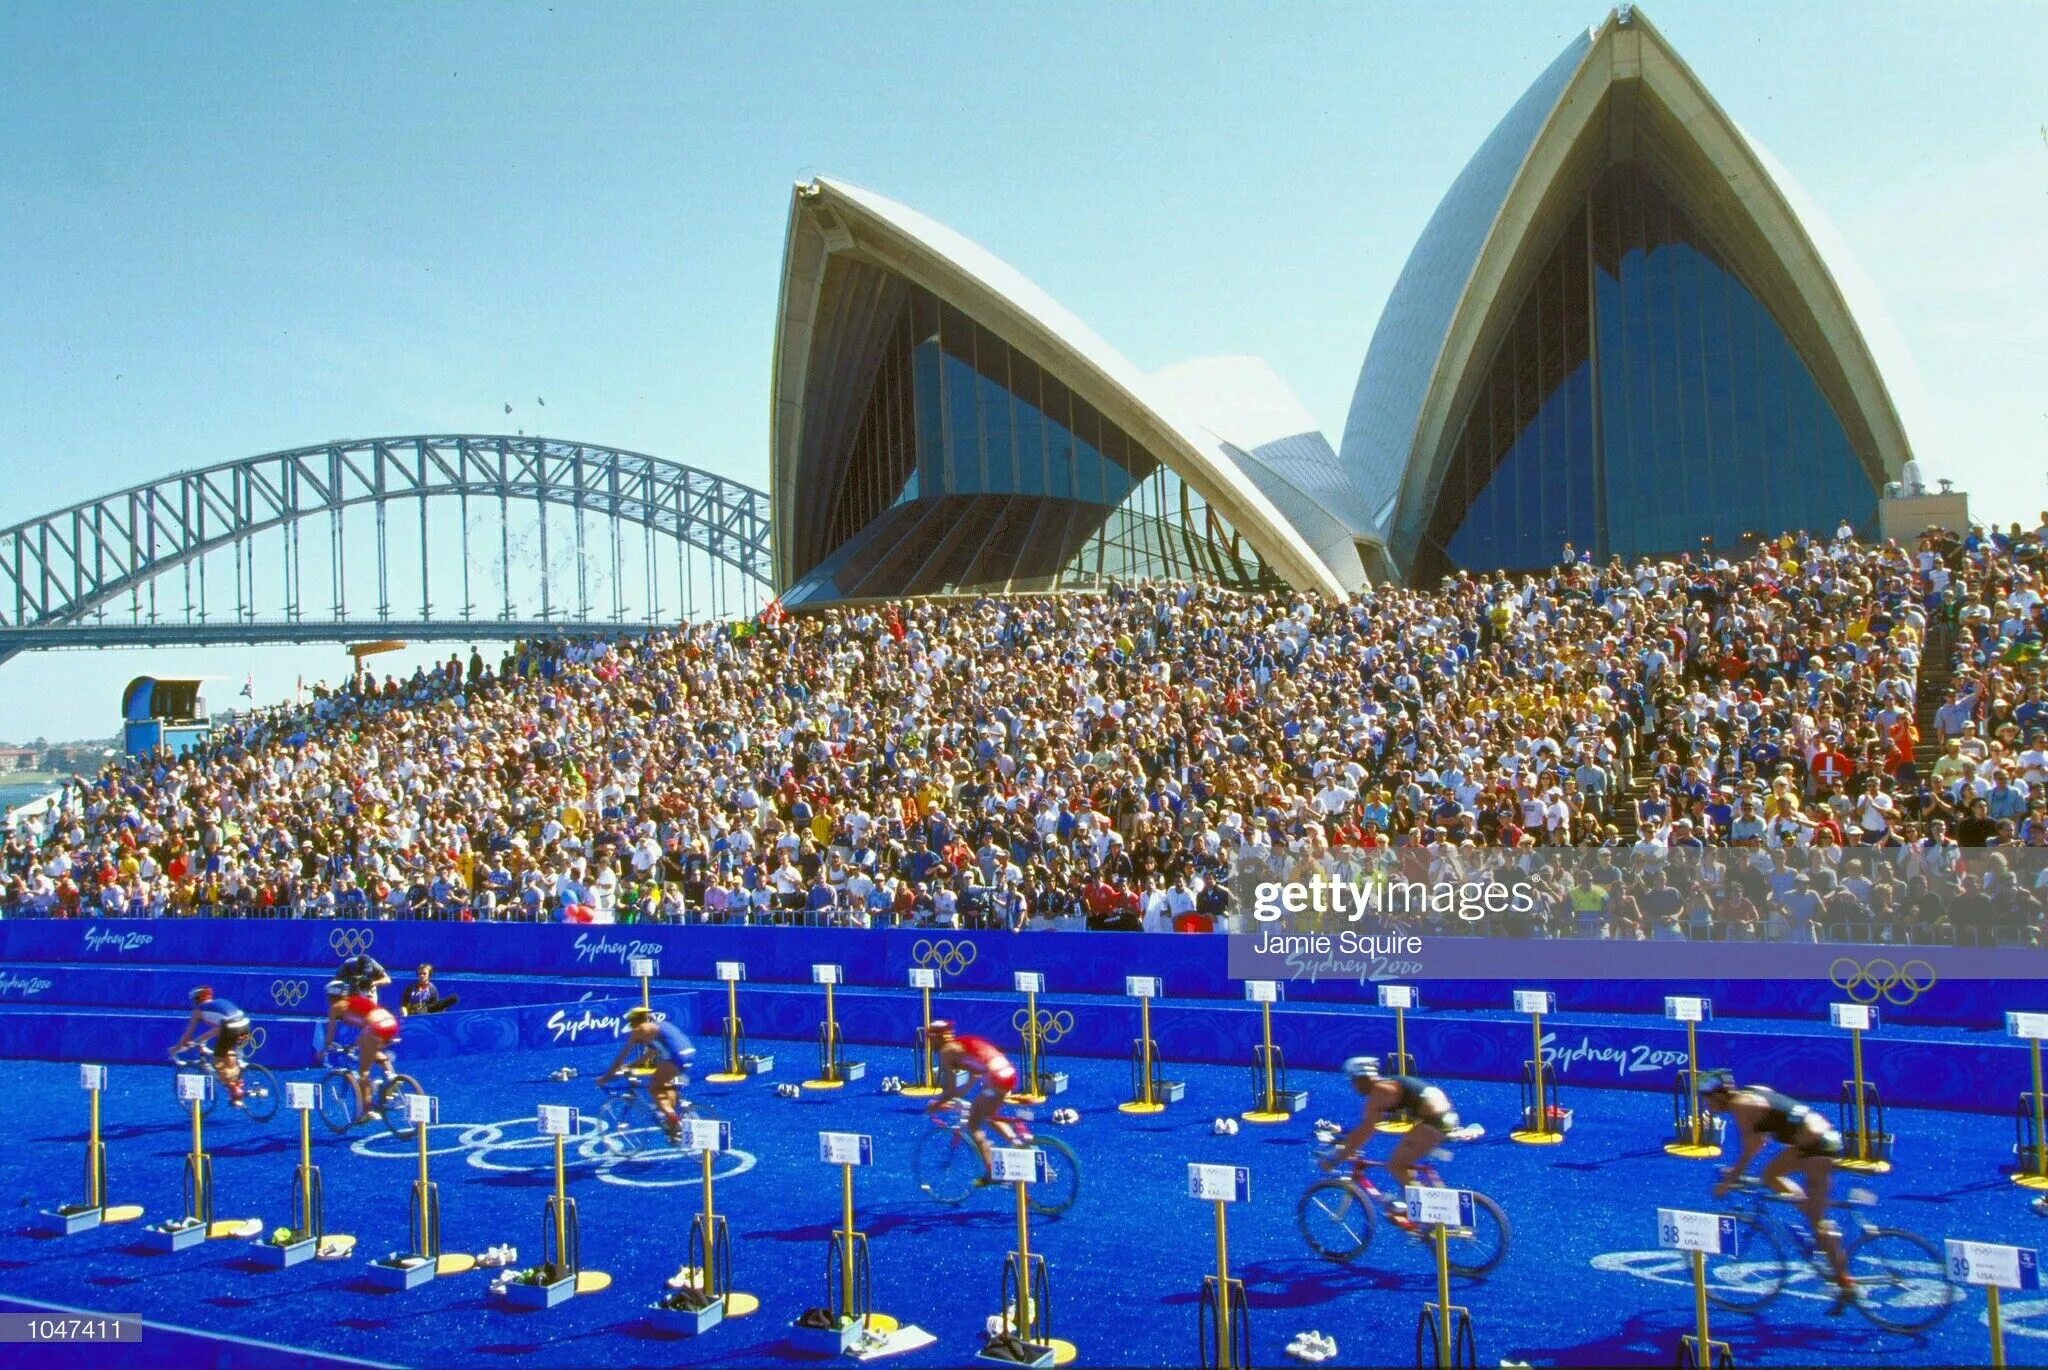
column 59, row 572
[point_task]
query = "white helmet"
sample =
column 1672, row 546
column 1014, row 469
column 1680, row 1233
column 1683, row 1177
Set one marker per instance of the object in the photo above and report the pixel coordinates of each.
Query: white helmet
column 1362, row 1068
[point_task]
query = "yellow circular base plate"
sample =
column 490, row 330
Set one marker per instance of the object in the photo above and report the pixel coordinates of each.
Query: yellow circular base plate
column 454, row 1265
column 1140, row 1106
column 1527, row 1138
column 639, row 1070
column 824, row 1084
column 1705, row 1151
column 1063, row 1352
column 2023, row 1181
column 1865, row 1167
column 338, row 1243
column 724, row 1077
column 1395, row 1129
column 1259, row 1115
column 882, row 1322
column 738, row 1305
column 592, row 1281
column 121, row 1213
column 1027, row 1098
column 235, row 1227
column 919, row 1091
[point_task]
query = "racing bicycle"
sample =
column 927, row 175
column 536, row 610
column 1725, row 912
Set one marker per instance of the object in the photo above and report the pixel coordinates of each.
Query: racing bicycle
column 948, row 1166
column 1900, row 1276
column 1338, row 1214
column 341, row 1108
column 260, row 1093
column 632, row 1122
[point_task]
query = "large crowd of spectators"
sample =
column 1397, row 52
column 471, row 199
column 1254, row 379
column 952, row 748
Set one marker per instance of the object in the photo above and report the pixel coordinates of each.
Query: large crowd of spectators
column 1707, row 747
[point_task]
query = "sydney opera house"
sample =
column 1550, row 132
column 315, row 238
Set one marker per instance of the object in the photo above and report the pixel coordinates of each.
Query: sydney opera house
column 1623, row 329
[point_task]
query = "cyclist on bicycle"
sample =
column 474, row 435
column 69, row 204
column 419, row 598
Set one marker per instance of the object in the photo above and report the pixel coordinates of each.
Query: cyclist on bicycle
column 377, row 1033
column 655, row 1042
column 228, row 1026
column 1810, row 1146
column 972, row 1063
column 1385, row 1094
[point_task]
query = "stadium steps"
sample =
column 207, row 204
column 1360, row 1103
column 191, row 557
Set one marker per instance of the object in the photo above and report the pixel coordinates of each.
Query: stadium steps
column 1937, row 672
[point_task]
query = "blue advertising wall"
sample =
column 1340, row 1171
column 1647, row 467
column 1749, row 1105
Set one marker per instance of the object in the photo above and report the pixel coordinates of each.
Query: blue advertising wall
column 1966, row 987
column 1646, row 1053
column 104, row 970
column 143, row 1037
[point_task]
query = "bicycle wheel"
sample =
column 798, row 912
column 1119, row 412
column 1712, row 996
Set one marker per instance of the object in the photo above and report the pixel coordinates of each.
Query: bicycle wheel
column 338, row 1100
column 1335, row 1218
column 625, row 1126
column 391, row 1103
column 1756, row 1273
column 261, row 1094
column 945, row 1166
column 1477, row 1249
column 1901, row 1277
column 1055, row 1194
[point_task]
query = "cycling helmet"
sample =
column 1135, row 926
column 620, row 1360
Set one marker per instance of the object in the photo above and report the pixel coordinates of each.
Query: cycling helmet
column 637, row 1016
column 1362, row 1068
column 202, row 994
column 938, row 1030
column 337, row 989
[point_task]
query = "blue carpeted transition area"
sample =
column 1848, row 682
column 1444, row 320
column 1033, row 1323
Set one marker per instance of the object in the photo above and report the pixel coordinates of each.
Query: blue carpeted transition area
column 1583, row 1284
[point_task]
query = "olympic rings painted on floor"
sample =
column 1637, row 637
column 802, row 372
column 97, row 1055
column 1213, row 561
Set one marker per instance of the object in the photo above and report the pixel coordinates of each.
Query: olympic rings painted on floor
column 1923, row 1281
column 482, row 1143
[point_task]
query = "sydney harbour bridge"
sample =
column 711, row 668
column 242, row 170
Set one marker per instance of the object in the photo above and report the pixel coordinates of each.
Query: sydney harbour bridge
column 430, row 538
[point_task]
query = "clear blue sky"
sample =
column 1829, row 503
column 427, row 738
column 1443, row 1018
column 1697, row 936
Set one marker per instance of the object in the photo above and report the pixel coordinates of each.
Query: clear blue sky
column 228, row 228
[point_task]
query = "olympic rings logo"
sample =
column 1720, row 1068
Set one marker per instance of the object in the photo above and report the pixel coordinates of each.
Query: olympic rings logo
column 288, row 993
column 257, row 1037
column 950, row 957
column 1864, row 983
column 351, row 941
column 512, row 1147
column 1048, row 1027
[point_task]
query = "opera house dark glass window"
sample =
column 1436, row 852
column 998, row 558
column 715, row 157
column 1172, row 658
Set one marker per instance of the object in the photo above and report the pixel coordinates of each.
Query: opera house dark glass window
column 1642, row 400
column 972, row 468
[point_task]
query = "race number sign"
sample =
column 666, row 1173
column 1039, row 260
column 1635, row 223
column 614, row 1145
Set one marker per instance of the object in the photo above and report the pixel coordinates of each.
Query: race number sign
column 1535, row 1001
column 1854, row 1017
column 1986, row 1263
column 1017, row 1164
column 1030, row 982
column 822, row 974
column 1226, row 1184
column 303, row 1095
column 641, row 967
column 2028, row 1027
column 92, row 1077
column 192, row 1086
column 924, row 977
column 1262, row 991
column 1142, row 986
column 1434, row 1206
column 422, row 1110
column 846, row 1148
column 558, row 1120
column 1680, row 1009
column 1680, row 1229
column 1397, row 996
column 730, row 971
column 705, row 1134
